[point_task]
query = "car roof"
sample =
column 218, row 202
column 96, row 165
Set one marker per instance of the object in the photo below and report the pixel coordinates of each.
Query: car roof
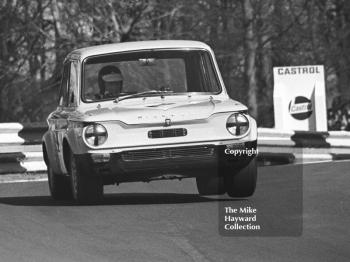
column 82, row 53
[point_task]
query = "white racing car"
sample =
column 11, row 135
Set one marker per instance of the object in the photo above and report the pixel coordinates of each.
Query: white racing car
column 142, row 111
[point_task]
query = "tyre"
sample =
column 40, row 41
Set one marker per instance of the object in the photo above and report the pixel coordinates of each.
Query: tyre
column 210, row 185
column 86, row 189
column 59, row 185
column 242, row 182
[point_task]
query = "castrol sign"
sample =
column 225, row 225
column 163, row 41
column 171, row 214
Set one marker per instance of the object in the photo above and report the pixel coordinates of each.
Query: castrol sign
column 300, row 98
column 300, row 108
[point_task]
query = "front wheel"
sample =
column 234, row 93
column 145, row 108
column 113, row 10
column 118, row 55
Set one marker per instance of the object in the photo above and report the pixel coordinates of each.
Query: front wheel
column 242, row 182
column 86, row 189
column 59, row 185
column 210, row 185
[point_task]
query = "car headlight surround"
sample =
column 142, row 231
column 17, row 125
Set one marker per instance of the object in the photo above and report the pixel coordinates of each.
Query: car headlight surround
column 95, row 135
column 237, row 124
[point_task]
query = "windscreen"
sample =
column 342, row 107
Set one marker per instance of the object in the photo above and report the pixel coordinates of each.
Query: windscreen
column 173, row 72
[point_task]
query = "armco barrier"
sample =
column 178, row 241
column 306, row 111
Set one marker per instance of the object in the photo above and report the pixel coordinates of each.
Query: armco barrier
column 18, row 134
column 304, row 146
column 21, row 152
column 20, row 147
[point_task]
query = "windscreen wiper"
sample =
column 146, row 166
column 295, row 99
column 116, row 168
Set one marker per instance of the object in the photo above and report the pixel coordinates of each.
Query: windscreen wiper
column 150, row 92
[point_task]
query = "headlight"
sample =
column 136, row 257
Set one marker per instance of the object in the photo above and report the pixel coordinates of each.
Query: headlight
column 237, row 124
column 95, row 134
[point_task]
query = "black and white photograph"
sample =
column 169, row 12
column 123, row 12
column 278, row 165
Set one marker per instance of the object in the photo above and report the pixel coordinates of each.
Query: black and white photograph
column 188, row 130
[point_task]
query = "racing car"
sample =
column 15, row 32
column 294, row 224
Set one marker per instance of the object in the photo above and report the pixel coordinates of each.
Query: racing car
column 144, row 111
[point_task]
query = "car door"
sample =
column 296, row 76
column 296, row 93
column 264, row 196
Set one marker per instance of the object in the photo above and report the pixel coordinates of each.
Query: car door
column 58, row 119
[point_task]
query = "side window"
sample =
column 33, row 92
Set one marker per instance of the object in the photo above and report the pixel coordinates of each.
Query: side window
column 73, row 84
column 210, row 70
column 63, row 101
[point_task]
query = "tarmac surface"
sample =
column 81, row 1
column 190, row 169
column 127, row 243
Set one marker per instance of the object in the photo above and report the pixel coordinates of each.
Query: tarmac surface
column 169, row 221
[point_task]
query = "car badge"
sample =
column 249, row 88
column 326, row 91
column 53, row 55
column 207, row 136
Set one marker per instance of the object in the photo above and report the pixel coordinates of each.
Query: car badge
column 167, row 122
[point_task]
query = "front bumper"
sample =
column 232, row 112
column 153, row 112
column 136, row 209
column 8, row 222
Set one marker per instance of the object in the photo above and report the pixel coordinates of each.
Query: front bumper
column 147, row 164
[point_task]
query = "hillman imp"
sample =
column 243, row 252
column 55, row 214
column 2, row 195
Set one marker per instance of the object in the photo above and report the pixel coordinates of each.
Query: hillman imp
column 143, row 111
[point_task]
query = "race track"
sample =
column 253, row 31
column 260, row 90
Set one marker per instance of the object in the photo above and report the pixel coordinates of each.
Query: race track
column 168, row 221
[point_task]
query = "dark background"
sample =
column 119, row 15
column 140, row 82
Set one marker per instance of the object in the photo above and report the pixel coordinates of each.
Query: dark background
column 249, row 37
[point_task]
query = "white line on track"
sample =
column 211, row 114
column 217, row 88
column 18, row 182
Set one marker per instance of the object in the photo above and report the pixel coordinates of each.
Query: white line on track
column 320, row 162
column 191, row 251
column 10, row 181
column 23, row 178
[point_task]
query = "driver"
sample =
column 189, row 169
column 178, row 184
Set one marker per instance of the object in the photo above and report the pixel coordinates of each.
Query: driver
column 110, row 82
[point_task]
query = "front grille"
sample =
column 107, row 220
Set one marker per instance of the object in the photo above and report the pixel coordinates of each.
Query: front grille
column 168, row 153
column 161, row 133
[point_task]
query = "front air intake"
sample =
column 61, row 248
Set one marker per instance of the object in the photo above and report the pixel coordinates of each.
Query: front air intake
column 194, row 152
column 162, row 133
